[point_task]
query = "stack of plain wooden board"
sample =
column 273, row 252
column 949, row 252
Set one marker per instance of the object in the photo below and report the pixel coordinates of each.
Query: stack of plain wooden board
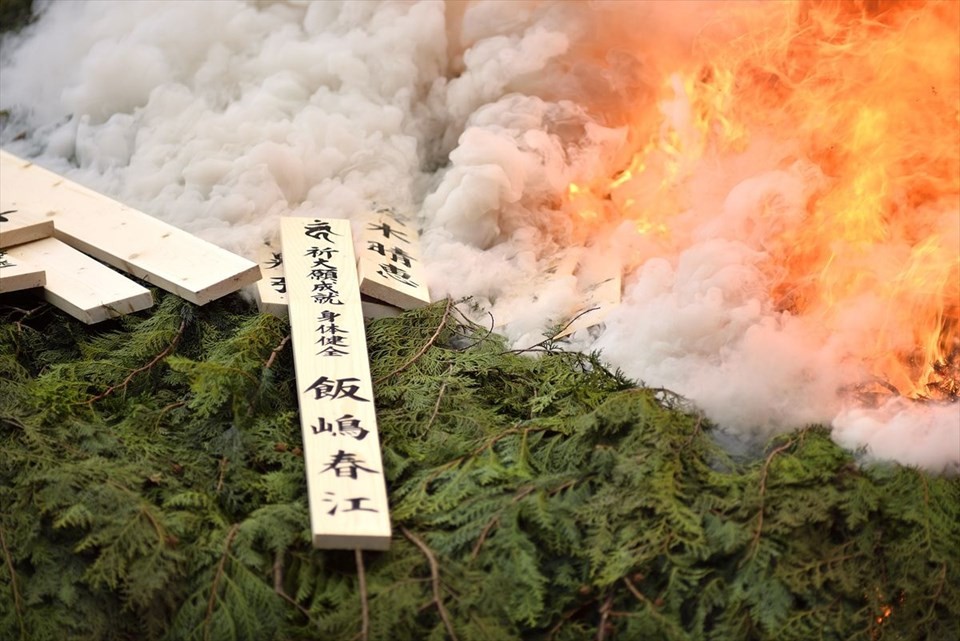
column 51, row 227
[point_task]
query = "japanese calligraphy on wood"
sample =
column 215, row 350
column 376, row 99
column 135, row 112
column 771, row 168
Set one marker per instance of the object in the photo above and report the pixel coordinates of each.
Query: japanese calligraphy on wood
column 16, row 274
column 271, row 290
column 345, row 481
column 18, row 227
column 389, row 264
column 123, row 237
column 78, row 284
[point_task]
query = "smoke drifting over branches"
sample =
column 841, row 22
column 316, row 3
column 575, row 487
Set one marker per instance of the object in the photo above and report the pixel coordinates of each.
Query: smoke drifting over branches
column 706, row 170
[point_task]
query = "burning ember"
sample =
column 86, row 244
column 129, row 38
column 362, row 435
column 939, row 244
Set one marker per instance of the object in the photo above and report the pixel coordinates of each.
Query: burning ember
column 863, row 99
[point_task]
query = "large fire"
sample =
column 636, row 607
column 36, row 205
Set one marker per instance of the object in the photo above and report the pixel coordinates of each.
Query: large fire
column 864, row 99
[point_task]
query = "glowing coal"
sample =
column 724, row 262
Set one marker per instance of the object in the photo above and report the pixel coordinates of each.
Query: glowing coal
column 778, row 183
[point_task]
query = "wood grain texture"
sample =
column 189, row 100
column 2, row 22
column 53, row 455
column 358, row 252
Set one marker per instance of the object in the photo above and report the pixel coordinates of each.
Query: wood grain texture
column 390, row 265
column 17, row 274
column 18, row 227
column 270, row 291
column 271, row 297
column 123, row 237
column 79, row 285
column 341, row 445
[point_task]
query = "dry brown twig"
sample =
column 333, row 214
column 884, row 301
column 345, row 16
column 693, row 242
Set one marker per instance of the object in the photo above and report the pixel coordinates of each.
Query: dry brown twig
column 223, row 470
column 276, row 352
column 604, row 617
column 17, row 602
column 148, row 366
column 211, row 602
column 556, row 336
column 652, row 607
column 27, row 313
column 435, row 579
column 436, row 406
column 763, row 488
column 278, row 586
column 426, row 346
column 496, row 519
column 364, row 604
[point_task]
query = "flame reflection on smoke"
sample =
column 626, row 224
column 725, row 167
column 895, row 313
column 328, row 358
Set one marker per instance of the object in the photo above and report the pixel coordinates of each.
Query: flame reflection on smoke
column 778, row 182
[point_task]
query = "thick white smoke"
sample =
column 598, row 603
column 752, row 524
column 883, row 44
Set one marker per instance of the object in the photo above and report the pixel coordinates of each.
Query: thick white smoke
column 220, row 116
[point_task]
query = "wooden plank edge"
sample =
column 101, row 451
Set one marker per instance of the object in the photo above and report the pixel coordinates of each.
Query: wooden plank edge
column 20, row 276
column 81, row 298
column 25, row 234
column 104, row 311
column 352, row 542
column 198, row 296
column 388, row 294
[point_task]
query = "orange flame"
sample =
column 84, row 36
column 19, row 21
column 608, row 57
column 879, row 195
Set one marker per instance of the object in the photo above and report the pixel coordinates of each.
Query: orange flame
column 868, row 92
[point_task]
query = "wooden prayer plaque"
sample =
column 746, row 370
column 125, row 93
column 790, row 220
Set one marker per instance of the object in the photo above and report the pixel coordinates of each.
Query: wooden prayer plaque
column 390, row 267
column 271, row 289
column 341, row 444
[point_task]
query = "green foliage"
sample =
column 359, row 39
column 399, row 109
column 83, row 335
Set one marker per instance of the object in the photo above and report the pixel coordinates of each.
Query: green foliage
column 15, row 14
column 152, row 480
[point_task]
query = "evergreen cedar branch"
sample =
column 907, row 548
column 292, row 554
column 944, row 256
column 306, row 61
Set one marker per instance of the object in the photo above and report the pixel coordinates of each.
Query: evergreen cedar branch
column 151, row 487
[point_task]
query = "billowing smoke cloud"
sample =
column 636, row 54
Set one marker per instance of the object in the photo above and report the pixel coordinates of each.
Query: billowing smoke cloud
column 220, row 116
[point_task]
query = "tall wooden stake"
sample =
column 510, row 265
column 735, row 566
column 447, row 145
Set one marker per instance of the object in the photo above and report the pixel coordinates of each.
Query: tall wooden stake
column 345, row 480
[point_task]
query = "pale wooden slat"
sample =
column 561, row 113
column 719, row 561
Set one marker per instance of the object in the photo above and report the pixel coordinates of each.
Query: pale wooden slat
column 16, row 274
column 333, row 379
column 123, row 237
column 79, row 285
column 270, row 291
column 18, row 227
column 271, row 297
column 390, row 265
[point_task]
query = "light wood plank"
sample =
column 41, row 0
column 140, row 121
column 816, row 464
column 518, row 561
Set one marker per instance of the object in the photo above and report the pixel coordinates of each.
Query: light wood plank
column 390, row 265
column 345, row 479
column 79, row 285
column 18, row 227
column 271, row 289
column 16, row 274
column 123, row 237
